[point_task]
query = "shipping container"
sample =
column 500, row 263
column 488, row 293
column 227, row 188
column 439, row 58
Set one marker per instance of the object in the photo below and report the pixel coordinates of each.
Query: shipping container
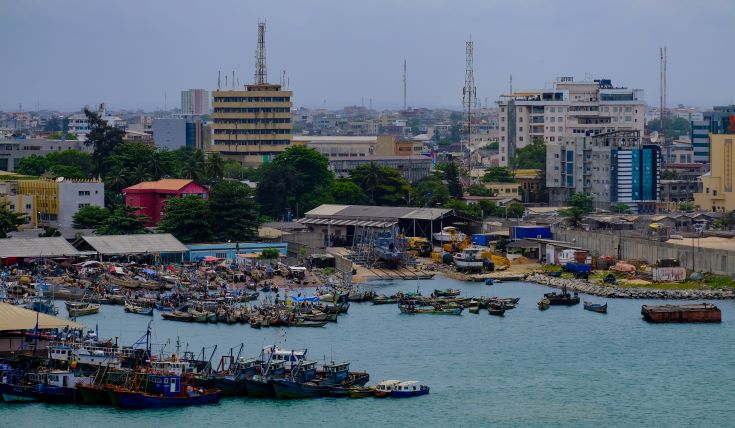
column 524, row 232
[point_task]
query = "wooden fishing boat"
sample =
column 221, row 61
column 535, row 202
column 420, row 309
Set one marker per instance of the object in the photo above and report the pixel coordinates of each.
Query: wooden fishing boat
column 410, row 309
column 384, row 388
column 496, row 310
column 81, row 309
column 383, row 300
column 595, row 307
column 175, row 394
column 177, row 316
column 361, row 391
column 474, row 309
column 562, row 299
column 543, row 304
column 133, row 309
column 304, row 323
column 93, row 394
column 124, row 282
column 409, row 388
column 449, row 292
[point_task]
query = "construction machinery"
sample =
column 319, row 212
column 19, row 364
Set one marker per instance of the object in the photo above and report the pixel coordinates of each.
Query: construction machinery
column 420, row 246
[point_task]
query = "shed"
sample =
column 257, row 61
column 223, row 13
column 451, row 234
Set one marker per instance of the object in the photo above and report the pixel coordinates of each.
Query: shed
column 161, row 245
column 36, row 247
column 16, row 318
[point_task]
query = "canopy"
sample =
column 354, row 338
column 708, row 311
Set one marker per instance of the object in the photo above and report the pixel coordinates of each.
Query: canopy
column 313, row 299
column 149, row 271
column 17, row 318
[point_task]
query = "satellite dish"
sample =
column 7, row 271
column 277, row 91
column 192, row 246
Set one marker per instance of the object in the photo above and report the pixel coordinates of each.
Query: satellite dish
column 654, row 136
column 60, row 179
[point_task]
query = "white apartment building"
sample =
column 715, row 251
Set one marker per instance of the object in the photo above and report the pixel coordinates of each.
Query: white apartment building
column 570, row 109
column 79, row 124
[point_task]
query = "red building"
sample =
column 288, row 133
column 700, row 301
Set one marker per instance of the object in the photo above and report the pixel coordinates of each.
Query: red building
column 150, row 196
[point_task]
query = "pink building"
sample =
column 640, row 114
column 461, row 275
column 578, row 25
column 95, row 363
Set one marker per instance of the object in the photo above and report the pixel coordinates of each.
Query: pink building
column 150, row 196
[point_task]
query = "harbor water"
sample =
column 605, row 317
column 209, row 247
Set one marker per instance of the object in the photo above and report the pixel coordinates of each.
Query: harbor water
column 560, row 367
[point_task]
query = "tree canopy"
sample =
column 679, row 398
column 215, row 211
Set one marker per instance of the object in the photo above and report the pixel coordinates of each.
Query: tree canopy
column 124, row 220
column 430, row 191
column 382, row 185
column 673, row 127
column 9, row 220
column 187, row 219
column 579, row 205
column 233, row 211
column 533, row 156
column 498, row 174
column 103, row 138
column 90, row 217
column 348, row 193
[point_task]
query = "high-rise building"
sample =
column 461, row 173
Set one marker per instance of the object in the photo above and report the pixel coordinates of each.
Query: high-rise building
column 176, row 132
column 611, row 168
column 571, row 109
column 700, row 140
column 717, row 186
column 195, row 101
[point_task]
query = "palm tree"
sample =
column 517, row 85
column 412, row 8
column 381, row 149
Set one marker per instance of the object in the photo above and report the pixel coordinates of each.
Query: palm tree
column 156, row 166
column 215, row 166
column 368, row 177
column 194, row 168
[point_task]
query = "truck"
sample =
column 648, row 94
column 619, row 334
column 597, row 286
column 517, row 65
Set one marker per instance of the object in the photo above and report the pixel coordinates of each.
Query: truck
column 579, row 270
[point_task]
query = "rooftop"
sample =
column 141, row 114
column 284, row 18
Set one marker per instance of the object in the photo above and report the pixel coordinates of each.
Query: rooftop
column 16, row 318
column 36, row 247
column 172, row 184
column 135, row 244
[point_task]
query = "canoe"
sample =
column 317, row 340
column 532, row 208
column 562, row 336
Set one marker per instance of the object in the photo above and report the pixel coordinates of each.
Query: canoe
column 86, row 309
column 309, row 324
column 474, row 309
column 497, row 311
column 543, row 304
column 177, row 316
column 138, row 310
column 361, row 392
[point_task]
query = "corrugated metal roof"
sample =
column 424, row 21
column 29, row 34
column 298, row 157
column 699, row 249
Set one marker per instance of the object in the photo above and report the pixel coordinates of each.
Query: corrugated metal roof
column 370, row 212
column 17, row 318
column 326, row 209
column 136, row 244
column 163, row 184
column 36, row 247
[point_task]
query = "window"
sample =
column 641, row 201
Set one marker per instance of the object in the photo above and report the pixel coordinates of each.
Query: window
column 552, row 109
column 82, row 205
column 553, row 129
column 520, row 119
column 628, row 119
column 84, row 193
column 28, row 206
column 714, row 192
column 556, row 155
column 520, row 129
column 628, row 109
column 561, row 129
column 221, row 255
column 12, row 207
column 560, row 119
column 552, row 119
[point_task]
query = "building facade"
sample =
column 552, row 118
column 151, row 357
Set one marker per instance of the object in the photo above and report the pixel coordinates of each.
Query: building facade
column 51, row 203
column 571, row 109
column 359, row 146
column 251, row 126
column 195, row 101
column 699, row 135
column 12, row 151
column 182, row 131
column 610, row 168
column 717, row 185
column 150, row 197
column 412, row 168
column 79, row 124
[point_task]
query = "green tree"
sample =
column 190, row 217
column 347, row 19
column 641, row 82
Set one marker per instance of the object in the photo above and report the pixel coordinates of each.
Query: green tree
column 669, row 174
column 462, row 207
column 686, row 206
column 195, row 168
column 215, row 167
column 73, row 158
column 297, row 180
column 533, row 156
column 10, row 220
column 515, row 210
column 430, row 191
column 187, row 219
column 673, row 127
column 451, row 174
column 478, row 190
column 90, row 217
column 49, row 232
column 579, row 205
column 382, row 185
column 162, row 163
column 103, row 138
column 123, row 221
column 269, row 254
column 65, row 171
column 234, row 214
column 620, row 208
column 33, row 165
column 348, row 193
column 498, row 174
column 727, row 221
column 62, row 136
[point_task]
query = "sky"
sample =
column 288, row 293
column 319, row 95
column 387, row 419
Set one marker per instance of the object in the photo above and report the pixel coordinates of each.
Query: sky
column 141, row 53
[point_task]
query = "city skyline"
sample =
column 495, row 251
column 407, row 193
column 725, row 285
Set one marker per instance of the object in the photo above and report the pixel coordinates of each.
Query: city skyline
column 357, row 54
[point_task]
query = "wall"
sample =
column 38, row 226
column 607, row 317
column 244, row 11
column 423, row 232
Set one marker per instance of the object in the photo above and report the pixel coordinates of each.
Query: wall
column 721, row 262
column 169, row 133
column 70, row 199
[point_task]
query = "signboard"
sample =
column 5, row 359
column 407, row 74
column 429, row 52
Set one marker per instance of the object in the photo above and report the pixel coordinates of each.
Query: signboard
column 669, row 274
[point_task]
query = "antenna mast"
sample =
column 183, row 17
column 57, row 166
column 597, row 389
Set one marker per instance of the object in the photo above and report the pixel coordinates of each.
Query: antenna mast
column 404, row 84
column 662, row 107
column 469, row 92
column 261, row 75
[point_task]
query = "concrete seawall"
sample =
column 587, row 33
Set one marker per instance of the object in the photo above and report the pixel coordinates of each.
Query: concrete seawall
column 720, row 262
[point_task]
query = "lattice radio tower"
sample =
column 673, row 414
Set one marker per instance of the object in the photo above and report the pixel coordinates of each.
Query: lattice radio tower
column 261, row 74
column 662, row 107
column 469, row 92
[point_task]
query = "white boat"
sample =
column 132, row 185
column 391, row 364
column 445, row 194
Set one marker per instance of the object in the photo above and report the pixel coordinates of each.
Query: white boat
column 384, row 388
column 470, row 258
column 290, row 357
column 449, row 234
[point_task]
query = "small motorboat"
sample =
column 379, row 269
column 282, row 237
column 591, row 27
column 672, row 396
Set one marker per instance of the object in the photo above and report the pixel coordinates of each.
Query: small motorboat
column 496, row 309
column 449, row 292
column 595, row 307
column 543, row 304
column 562, row 299
column 134, row 309
column 177, row 316
column 489, row 281
column 81, row 309
column 474, row 309
column 384, row 388
column 409, row 388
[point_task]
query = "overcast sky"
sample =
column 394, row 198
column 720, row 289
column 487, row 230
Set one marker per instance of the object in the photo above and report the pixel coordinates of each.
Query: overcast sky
column 129, row 53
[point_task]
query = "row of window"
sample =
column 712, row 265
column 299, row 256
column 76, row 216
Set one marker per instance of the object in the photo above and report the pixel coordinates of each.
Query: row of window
column 252, row 142
column 251, row 99
column 251, row 131
column 252, row 110
column 267, row 121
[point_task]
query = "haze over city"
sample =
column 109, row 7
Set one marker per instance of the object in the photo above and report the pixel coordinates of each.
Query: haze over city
column 63, row 55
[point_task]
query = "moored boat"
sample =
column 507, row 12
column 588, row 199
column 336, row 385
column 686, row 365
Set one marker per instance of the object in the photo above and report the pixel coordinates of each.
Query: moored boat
column 595, row 307
column 409, row 388
column 129, row 307
column 384, row 388
column 543, row 304
column 562, row 299
column 81, row 309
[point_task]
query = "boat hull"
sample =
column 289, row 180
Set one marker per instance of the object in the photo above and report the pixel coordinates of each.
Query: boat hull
column 404, row 394
column 139, row 400
column 288, row 389
column 231, row 387
column 93, row 395
column 258, row 389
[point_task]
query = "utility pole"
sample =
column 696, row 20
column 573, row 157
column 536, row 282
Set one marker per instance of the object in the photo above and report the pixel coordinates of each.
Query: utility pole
column 469, row 96
column 404, row 84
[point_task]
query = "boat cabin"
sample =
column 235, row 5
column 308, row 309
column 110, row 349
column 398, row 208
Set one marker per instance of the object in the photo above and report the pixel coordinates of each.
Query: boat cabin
column 168, row 385
column 6, row 373
column 297, row 272
column 246, row 367
column 290, row 357
column 178, row 368
column 387, row 385
column 409, row 386
column 306, row 371
column 336, row 373
column 275, row 369
column 59, row 352
column 62, row 379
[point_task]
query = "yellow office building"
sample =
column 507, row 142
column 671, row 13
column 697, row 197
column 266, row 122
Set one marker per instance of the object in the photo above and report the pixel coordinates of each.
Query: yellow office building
column 717, row 185
column 251, row 126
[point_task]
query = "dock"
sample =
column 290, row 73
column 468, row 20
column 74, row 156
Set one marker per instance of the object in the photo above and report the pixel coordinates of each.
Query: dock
column 699, row 313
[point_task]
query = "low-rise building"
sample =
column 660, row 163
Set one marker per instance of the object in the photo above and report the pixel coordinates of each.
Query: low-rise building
column 674, row 192
column 51, row 203
column 12, row 151
column 182, row 131
column 149, row 197
column 412, row 168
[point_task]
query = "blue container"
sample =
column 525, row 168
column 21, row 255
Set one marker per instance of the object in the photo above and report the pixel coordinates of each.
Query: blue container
column 523, row 232
column 481, row 239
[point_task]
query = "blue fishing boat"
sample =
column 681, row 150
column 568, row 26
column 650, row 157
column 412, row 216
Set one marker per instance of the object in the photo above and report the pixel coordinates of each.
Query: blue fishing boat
column 162, row 391
column 261, row 384
column 307, row 382
column 235, row 384
column 50, row 387
column 299, row 385
column 409, row 388
column 387, row 251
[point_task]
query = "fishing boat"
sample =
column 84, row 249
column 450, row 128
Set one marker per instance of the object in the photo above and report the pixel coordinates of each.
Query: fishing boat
column 474, row 309
column 470, row 259
column 386, row 250
column 306, row 382
column 595, row 307
column 78, row 309
column 543, row 304
column 177, row 316
column 412, row 309
column 449, row 234
column 562, row 299
column 129, row 307
column 489, row 281
column 384, row 388
column 361, row 391
column 123, row 282
column 496, row 310
column 383, row 300
column 409, row 388
column 55, row 386
column 234, row 384
column 164, row 391
column 449, row 292
column 305, row 323
column 261, row 384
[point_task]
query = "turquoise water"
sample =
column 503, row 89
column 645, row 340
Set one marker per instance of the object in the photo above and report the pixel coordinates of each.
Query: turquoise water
column 561, row 367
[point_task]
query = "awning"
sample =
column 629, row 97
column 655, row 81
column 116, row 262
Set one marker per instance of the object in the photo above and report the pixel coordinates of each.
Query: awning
column 16, row 318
